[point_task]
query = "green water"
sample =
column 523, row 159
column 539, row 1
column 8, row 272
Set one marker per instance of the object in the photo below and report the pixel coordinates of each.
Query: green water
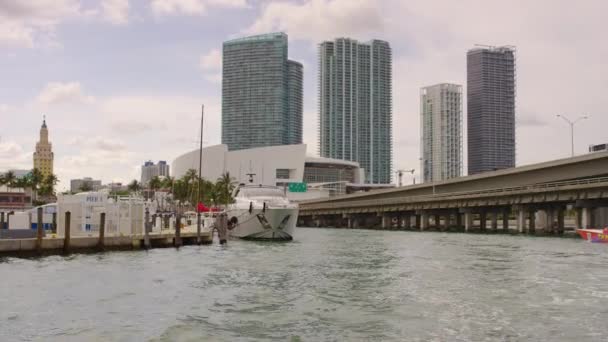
column 327, row 285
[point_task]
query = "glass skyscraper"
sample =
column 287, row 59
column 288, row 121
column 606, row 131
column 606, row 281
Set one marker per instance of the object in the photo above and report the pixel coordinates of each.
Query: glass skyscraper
column 355, row 105
column 441, row 131
column 491, row 108
column 261, row 93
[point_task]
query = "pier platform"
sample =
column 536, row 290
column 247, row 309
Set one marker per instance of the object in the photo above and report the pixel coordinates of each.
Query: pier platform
column 51, row 245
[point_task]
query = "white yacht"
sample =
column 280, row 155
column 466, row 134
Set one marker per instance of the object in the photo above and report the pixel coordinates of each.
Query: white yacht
column 262, row 213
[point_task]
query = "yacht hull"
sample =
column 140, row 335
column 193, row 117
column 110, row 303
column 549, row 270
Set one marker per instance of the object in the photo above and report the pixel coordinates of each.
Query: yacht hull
column 271, row 224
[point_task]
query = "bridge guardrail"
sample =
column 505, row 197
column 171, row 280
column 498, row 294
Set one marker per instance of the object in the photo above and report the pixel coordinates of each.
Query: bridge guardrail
column 541, row 186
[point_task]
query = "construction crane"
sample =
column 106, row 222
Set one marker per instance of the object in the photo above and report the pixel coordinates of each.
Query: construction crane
column 400, row 175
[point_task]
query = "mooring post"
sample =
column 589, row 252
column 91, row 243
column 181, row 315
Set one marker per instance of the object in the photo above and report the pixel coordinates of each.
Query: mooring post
column 222, row 230
column 54, row 224
column 102, row 231
column 40, row 231
column 66, row 238
column 177, row 242
column 198, row 227
column 147, row 229
column 2, row 220
column 8, row 220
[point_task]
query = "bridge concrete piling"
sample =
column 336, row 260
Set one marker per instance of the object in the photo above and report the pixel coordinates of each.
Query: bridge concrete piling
column 587, row 217
column 521, row 220
column 494, row 220
column 532, row 221
column 505, row 220
column 424, row 221
column 483, row 220
column 468, row 221
column 560, row 221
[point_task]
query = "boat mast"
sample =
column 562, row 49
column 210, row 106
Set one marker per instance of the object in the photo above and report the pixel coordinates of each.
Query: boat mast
column 200, row 155
column 198, row 190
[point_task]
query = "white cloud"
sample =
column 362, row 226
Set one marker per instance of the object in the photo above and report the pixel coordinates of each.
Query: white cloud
column 211, row 64
column 58, row 92
column 192, row 7
column 13, row 156
column 318, row 20
column 115, row 11
column 212, row 60
column 22, row 23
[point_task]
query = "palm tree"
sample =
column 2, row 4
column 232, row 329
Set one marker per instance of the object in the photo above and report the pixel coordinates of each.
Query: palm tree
column 85, row 186
column 34, row 179
column 134, row 186
column 48, row 185
column 155, row 183
column 10, row 179
column 167, row 183
column 224, row 186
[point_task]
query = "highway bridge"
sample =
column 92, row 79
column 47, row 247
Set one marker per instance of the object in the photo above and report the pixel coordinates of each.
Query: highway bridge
column 535, row 198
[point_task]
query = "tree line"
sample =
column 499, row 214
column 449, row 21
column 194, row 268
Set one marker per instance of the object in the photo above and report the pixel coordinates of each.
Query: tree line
column 185, row 189
column 41, row 185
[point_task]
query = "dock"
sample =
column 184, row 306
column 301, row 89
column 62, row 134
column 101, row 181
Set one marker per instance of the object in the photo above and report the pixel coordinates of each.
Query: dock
column 53, row 245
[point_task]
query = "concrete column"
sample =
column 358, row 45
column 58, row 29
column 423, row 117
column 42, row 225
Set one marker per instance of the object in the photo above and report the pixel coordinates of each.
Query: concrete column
column 578, row 215
column 424, row 221
column 505, row 220
column 418, row 220
column 494, row 220
column 407, row 222
column 437, row 220
column 560, row 221
column 532, row 226
column 446, row 223
column 521, row 220
column 482, row 220
column 550, row 220
column 459, row 221
column 386, row 221
column 587, row 218
column 350, row 222
column 468, row 221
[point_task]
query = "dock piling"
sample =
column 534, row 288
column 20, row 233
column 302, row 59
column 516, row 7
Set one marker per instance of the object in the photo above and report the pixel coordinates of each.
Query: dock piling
column 54, row 224
column 222, row 228
column 102, row 231
column 198, row 228
column 66, row 238
column 178, row 238
column 2, row 220
column 147, row 230
column 40, row 230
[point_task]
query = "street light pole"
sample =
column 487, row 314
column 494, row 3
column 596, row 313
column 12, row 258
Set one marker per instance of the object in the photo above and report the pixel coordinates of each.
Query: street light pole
column 572, row 123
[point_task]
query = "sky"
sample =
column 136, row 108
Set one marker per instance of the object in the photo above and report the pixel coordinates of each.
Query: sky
column 122, row 81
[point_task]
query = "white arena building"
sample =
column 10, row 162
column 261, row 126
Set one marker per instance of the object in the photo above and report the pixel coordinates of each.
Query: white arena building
column 277, row 165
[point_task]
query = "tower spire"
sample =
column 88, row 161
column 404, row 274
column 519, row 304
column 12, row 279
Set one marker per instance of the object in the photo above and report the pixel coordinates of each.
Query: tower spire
column 43, row 120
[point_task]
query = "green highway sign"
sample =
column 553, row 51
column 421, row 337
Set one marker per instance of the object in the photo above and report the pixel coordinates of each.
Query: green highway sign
column 297, row 187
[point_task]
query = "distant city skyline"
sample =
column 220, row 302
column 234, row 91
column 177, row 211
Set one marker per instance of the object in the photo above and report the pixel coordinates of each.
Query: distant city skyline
column 121, row 85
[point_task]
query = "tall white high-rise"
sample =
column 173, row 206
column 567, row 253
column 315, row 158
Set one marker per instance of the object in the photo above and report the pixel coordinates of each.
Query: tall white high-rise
column 355, row 105
column 441, row 131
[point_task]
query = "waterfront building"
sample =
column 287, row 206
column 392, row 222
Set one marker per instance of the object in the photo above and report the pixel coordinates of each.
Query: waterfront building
column 491, row 108
column 355, row 105
column 77, row 185
column 150, row 170
column 441, row 132
column 262, row 93
column 43, row 156
column 278, row 166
